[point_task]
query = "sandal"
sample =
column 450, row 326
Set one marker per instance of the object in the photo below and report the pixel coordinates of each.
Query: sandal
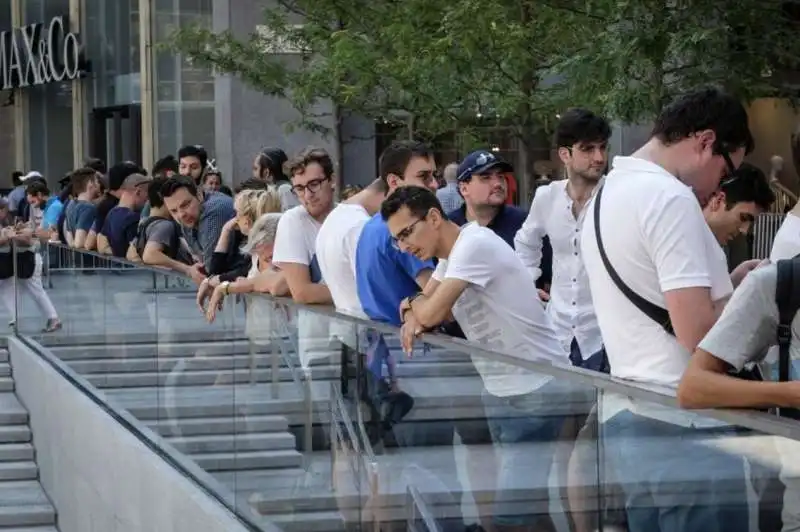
column 53, row 325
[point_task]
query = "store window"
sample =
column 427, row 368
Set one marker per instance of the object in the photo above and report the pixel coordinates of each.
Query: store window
column 184, row 93
column 112, row 40
column 49, row 117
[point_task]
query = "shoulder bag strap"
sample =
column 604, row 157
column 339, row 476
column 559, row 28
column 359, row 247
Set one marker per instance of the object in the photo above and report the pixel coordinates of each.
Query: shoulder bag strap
column 651, row 310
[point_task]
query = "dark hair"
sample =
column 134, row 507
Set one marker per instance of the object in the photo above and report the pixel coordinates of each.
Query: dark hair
column 173, row 184
column 212, row 172
column 395, row 158
column 16, row 178
column 118, row 173
column 194, row 151
column 225, row 189
column 168, row 163
column 154, row 193
column 310, row 155
column 65, row 193
column 748, row 184
column 98, row 165
column 252, row 184
column 37, row 187
column 81, row 178
column 273, row 160
column 708, row 108
column 418, row 200
column 579, row 125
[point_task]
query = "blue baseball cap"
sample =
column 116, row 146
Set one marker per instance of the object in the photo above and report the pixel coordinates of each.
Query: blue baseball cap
column 479, row 162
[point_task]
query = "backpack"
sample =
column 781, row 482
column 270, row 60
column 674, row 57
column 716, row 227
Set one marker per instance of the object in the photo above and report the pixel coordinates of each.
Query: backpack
column 141, row 237
column 787, row 297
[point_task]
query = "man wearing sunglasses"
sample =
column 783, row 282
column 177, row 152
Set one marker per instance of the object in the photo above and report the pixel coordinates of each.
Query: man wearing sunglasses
column 649, row 254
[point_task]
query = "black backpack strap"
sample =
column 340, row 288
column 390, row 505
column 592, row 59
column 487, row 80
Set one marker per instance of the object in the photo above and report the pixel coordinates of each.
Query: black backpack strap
column 651, row 310
column 787, row 297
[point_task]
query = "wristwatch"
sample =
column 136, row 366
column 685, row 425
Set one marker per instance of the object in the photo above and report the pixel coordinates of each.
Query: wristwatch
column 225, row 287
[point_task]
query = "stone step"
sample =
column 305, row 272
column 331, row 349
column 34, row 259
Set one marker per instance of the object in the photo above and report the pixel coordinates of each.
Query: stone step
column 27, row 516
column 151, row 350
column 3, row 355
column 233, row 443
column 5, row 369
column 162, row 365
column 219, row 425
column 26, row 470
column 11, row 411
column 250, row 460
column 14, row 452
column 200, row 378
column 262, row 374
column 30, row 529
column 15, row 434
column 6, row 384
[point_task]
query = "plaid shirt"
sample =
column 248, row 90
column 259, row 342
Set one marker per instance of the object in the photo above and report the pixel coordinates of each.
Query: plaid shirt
column 215, row 211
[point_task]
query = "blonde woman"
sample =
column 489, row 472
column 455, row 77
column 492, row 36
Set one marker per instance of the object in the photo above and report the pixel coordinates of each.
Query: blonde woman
column 228, row 262
column 260, row 241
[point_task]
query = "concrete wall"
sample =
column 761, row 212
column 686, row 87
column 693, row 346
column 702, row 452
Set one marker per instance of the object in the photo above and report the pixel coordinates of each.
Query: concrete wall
column 772, row 123
column 247, row 120
column 99, row 475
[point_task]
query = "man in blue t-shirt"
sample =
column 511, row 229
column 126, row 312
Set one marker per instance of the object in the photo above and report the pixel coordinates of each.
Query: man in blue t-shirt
column 38, row 195
column 81, row 212
column 122, row 222
column 384, row 274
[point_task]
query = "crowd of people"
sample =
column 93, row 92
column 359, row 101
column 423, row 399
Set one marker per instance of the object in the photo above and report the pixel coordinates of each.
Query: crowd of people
column 641, row 290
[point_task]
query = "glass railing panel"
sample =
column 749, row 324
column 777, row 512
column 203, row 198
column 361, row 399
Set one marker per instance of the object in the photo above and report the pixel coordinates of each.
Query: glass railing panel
column 462, row 441
column 670, row 469
column 292, row 412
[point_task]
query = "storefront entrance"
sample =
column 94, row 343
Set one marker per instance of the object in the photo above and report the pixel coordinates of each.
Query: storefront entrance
column 116, row 134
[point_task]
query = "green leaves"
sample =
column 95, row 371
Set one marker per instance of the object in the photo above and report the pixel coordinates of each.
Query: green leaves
column 456, row 65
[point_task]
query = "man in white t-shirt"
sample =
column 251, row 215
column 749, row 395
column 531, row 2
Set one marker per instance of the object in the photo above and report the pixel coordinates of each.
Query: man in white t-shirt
column 294, row 253
column 656, row 240
column 481, row 281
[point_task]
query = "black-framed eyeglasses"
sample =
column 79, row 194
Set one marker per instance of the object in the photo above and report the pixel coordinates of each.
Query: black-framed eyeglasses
column 731, row 175
column 312, row 186
column 405, row 233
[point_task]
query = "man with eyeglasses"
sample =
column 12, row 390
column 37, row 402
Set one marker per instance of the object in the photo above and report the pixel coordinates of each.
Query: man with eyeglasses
column 481, row 281
column 658, row 285
column 311, row 173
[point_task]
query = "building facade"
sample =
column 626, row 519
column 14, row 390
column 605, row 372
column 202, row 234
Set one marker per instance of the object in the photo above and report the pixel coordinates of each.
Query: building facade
column 128, row 98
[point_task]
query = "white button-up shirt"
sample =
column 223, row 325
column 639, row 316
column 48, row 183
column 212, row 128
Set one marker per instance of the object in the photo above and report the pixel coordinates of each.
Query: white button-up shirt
column 570, row 307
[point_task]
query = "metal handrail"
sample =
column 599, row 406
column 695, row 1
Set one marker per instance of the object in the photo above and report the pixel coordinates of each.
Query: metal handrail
column 658, row 395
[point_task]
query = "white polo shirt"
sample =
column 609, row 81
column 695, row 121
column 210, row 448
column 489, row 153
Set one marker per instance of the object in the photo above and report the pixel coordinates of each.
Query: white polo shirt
column 656, row 238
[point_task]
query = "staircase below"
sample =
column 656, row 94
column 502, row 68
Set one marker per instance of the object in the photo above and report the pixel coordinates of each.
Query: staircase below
column 24, row 506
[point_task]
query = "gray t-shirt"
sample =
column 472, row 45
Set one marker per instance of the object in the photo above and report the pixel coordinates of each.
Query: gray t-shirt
column 166, row 233
column 748, row 326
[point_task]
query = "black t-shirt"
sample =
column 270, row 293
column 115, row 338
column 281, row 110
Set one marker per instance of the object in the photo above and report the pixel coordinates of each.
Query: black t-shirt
column 103, row 208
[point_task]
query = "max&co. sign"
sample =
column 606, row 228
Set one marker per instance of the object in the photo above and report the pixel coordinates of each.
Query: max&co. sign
column 38, row 53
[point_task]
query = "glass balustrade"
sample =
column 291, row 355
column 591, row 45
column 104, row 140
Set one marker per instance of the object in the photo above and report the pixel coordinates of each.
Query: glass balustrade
column 284, row 411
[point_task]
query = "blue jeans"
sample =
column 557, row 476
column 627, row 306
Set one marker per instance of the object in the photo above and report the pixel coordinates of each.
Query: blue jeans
column 596, row 362
column 515, row 423
column 675, row 478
